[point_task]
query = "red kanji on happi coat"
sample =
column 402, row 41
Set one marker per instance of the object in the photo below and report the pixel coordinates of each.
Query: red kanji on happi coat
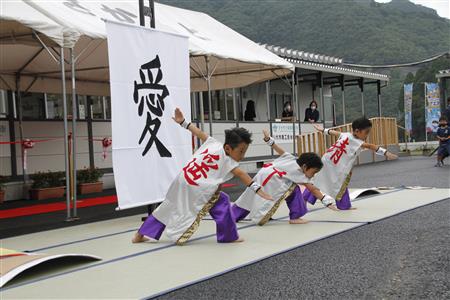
column 339, row 149
column 275, row 172
column 194, row 170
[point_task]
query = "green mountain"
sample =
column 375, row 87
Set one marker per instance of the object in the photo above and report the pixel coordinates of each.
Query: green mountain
column 362, row 31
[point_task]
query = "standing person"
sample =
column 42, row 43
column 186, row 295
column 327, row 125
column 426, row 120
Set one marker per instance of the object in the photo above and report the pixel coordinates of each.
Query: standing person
column 280, row 180
column 288, row 113
column 443, row 135
column 311, row 113
column 339, row 159
column 195, row 191
column 250, row 113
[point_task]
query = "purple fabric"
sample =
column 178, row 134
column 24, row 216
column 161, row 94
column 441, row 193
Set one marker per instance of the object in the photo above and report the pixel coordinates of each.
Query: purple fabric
column 309, row 197
column 225, row 224
column 343, row 204
column 238, row 213
column 296, row 204
column 152, row 228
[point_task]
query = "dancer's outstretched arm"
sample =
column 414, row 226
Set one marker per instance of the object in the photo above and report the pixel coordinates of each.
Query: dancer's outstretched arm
column 327, row 131
column 379, row 150
column 326, row 200
column 271, row 142
column 247, row 180
column 179, row 118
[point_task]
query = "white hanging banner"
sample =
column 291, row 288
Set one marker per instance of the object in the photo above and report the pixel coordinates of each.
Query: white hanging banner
column 149, row 78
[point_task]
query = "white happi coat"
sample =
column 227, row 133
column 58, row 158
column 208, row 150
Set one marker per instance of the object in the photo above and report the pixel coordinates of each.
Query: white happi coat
column 194, row 187
column 275, row 179
column 338, row 162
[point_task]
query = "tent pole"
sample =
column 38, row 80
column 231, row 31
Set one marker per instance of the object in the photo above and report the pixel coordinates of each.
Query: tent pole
column 297, row 93
column 66, row 141
column 74, row 135
column 19, row 110
column 208, row 82
column 361, row 86
column 202, row 111
column 293, row 104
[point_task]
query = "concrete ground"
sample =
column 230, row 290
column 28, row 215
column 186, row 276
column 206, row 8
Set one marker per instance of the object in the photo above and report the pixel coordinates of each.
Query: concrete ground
column 406, row 256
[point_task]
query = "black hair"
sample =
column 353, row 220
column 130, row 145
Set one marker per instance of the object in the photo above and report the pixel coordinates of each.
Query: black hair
column 443, row 118
column 310, row 160
column 250, row 114
column 361, row 124
column 237, row 135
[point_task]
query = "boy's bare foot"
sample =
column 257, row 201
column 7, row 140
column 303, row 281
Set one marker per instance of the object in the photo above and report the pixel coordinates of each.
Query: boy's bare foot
column 138, row 238
column 239, row 240
column 298, row 221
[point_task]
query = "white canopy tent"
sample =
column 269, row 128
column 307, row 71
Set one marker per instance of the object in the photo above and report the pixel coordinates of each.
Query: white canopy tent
column 34, row 34
column 234, row 60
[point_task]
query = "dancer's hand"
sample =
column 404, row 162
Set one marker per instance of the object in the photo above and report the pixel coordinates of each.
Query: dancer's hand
column 264, row 195
column 266, row 135
column 178, row 116
column 390, row 155
column 333, row 207
column 318, row 127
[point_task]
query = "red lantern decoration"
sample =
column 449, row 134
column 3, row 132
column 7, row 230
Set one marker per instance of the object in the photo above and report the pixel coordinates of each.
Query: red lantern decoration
column 26, row 144
column 106, row 143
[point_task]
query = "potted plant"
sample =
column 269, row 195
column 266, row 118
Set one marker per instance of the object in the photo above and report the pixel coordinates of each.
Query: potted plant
column 88, row 181
column 47, row 185
column 2, row 188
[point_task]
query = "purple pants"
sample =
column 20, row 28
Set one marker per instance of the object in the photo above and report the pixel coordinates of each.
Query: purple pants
column 295, row 202
column 343, row 204
column 220, row 212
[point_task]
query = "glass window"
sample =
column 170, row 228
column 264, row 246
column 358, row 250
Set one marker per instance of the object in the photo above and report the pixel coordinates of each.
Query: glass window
column 3, row 104
column 33, row 106
column 82, row 107
column 107, row 107
column 97, row 108
column 229, row 105
column 55, row 106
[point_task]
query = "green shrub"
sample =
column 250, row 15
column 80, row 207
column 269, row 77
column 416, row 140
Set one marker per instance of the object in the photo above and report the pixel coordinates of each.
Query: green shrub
column 89, row 175
column 47, row 179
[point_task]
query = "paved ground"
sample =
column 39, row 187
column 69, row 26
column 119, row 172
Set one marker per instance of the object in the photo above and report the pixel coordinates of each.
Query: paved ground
column 404, row 257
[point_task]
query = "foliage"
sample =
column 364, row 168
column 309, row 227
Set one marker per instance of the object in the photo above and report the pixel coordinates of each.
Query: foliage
column 360, row 31
column 89, row 175
column 47, row 179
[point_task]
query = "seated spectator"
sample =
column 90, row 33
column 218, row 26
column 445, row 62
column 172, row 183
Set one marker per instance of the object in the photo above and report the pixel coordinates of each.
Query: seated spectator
column 311, row 113
column 288, row 113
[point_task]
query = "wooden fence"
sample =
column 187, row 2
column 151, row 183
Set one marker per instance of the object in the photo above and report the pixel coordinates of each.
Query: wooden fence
column 384, row 132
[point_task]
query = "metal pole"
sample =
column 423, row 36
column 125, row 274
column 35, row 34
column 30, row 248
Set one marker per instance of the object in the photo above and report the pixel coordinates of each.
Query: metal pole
column 202, row 111
column 20, row 115
column 322, row 101
column 297, row 91
column 208, row 82
column 74, row 136
column 425, row 113
column 268, row 99
column 66, row 141
column 235, row 115
column 361, row 86
column 343, row 99
column 293, row 104
column 379, row 97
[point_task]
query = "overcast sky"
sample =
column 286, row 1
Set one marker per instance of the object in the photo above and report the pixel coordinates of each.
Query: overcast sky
column 441, row 6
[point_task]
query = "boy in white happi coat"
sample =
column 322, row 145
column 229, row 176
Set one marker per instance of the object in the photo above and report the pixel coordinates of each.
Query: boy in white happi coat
column 195, row 191
column 339, row 159
column 280, row 180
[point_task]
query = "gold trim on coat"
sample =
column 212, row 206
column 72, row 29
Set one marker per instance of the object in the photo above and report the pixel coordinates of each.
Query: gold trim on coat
column 201, row 214
column 274, row 208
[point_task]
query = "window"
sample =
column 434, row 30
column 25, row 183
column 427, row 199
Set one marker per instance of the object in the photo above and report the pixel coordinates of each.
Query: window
column 97, row 108
column 55, row 106
column 107, row 107
column 33, row 106
column 3, row 104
